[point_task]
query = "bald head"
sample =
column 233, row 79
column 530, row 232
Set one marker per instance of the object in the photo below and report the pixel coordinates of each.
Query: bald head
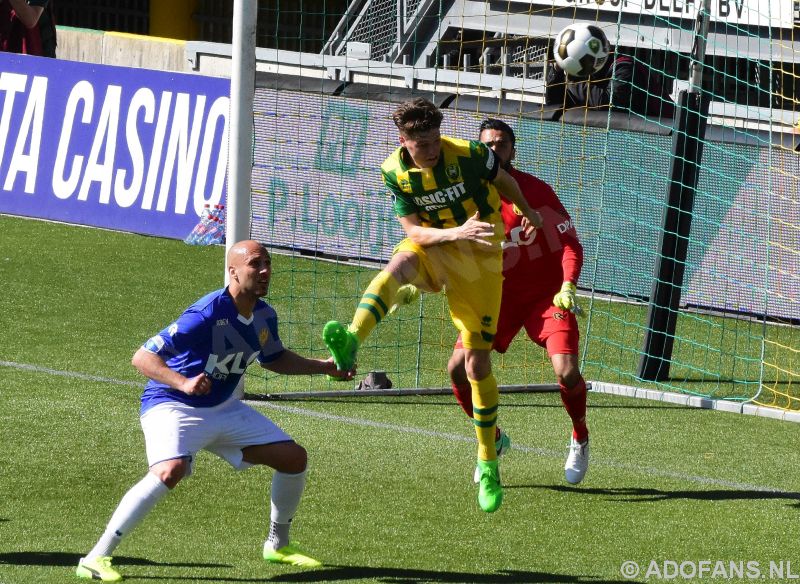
column 249, row 272
column 241, row 250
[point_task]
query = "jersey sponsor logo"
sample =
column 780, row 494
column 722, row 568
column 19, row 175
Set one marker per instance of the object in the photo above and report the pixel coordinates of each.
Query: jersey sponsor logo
column 440, row 198
column 567, row 225
column 453, row 171
column 517, row 238
column 220, row 367
column 231, row 351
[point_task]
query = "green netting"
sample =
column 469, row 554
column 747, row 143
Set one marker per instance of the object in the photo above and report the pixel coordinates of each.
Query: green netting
column 322, row 129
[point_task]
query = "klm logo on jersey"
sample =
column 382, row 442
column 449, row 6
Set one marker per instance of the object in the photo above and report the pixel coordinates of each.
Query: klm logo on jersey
column 219, row 367
column 231, row 351
column 441, row 198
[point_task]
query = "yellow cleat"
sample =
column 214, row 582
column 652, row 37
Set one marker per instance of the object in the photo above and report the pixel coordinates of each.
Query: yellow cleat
column 98, row 568
column 290, row 554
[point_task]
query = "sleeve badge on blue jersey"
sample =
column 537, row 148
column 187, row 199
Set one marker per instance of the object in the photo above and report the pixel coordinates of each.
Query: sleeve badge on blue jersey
column 154, row 344
column 263, row 335
column 173, row 328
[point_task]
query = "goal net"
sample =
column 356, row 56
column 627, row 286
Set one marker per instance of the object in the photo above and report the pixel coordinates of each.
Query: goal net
column 710, row 200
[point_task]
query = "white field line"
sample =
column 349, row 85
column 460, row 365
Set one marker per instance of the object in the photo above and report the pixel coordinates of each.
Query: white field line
column 365, row 423
column 516, row 447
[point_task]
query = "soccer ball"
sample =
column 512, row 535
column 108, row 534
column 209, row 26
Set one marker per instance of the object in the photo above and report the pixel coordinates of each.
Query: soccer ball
column 581, row 49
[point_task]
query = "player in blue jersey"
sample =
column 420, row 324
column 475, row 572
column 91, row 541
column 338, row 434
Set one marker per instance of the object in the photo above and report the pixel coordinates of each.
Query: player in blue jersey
column 193, row 402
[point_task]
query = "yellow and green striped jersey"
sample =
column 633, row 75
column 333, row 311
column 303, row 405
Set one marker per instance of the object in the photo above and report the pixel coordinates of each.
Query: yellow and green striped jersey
column 449, row 193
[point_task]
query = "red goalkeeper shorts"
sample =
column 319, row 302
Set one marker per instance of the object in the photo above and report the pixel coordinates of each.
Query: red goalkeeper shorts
column 541, row 320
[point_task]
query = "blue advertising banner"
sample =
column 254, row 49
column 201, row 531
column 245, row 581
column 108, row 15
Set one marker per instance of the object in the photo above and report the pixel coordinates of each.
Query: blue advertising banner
column 114, row 147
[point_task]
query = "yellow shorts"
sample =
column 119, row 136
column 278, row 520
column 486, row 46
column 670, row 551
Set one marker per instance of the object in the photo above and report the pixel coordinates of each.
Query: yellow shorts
column 471, row 276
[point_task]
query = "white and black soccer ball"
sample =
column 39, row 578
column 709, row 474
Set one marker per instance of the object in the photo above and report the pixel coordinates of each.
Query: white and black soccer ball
column 581, row 49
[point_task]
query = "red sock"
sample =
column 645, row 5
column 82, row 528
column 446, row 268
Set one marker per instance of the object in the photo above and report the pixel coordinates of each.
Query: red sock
column 574, row 401
column 463, row 395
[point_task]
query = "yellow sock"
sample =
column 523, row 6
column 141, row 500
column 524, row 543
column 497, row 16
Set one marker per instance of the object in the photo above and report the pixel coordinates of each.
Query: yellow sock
column 374, row 305
column 484, row 415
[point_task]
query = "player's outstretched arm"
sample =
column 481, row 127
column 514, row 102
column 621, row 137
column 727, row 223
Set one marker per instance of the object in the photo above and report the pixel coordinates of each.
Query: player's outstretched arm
column 290, row 363
column 510, row 189
column 473, row 229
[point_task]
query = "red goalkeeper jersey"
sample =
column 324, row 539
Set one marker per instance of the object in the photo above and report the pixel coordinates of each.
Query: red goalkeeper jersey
column 535, row 267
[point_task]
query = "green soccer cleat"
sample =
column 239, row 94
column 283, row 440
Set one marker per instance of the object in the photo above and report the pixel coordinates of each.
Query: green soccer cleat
column 342, row 344
column 290, row 554
column 501, row 445
column 406, row 294
column 98, row 568
column 490, row 491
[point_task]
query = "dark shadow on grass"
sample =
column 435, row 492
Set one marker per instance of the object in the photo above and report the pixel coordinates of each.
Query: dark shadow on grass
column 407, row 576
column 71, row 559
column 633, row 495
column 325, row 574
column 412, row 576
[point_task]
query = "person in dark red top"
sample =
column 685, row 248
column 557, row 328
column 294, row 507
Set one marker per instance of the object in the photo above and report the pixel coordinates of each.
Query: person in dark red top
column 541, row 271
column 27, row 27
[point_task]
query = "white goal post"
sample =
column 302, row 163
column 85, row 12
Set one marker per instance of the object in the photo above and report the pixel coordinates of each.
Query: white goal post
column 243, row 78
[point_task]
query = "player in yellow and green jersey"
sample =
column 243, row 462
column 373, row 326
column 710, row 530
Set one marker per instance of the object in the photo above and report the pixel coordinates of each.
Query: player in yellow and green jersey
column 446, row 201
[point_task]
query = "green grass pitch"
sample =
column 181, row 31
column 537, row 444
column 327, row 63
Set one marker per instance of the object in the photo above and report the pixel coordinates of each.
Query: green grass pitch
column 389, row 496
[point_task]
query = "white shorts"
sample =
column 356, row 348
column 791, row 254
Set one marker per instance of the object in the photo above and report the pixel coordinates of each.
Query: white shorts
column 175, row 430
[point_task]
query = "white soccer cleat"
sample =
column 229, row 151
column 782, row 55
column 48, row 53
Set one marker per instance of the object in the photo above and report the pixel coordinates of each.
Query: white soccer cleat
column 577, row 461
column 502, row 445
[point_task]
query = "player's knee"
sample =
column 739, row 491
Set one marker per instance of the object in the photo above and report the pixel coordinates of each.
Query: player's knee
column 170, row 472
column 403, row 268
column 478, row 364
column 455, row 368
column 296, row 462
column 569, row 377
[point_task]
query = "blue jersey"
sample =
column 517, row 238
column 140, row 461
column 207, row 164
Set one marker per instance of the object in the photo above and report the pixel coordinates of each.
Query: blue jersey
column 212, row 336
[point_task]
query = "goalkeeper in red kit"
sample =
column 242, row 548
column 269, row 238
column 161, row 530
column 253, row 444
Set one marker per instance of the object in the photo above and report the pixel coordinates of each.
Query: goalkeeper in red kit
column 541, row 272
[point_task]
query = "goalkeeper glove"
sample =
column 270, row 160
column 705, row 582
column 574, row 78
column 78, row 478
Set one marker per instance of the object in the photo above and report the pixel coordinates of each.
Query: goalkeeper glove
column 566, row 299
